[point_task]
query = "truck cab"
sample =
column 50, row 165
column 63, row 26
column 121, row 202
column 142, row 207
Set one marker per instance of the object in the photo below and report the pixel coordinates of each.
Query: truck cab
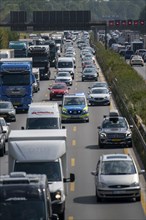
column 25, row 196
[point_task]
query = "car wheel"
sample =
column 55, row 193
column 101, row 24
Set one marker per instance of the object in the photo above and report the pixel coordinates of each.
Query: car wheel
column 98, row 199
column 130, row 145
column 87, row 120
column 2, row 152
column 101, row 145
column 138, row 199
column 62, row 216
column 82, row 80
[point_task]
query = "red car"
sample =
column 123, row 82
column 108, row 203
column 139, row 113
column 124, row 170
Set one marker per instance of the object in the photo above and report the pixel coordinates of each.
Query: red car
column 57, row 90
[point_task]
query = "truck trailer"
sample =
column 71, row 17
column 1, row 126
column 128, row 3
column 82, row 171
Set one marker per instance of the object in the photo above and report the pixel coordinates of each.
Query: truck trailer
column 16, row 79
column 42, row 152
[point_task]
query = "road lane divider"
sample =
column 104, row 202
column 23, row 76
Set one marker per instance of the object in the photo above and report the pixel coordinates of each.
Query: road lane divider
column 70, row 218
column 72, row 162
column 73, row 142
column 72, row 187
column 74, row 129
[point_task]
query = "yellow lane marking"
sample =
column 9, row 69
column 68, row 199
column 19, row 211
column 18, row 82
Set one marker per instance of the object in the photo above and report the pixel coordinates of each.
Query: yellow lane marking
column 143, row 199
column 143, row 202
column 73, row 142
column 72, row 187
column 70, row 218
column 126, row 151
column 72, row 162
column 74, row 128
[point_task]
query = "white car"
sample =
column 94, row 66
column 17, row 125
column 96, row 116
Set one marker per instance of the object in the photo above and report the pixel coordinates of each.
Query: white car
column 99, row 96
column 64, row 77
column 5, row 126
column 116, row 176
column 136, row 60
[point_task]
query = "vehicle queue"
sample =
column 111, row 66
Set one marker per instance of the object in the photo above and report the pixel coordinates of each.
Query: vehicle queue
column 79, row 111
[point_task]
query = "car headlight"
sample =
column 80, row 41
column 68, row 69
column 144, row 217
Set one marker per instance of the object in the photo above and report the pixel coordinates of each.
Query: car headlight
column 12, row 112
column 58, row 195
column 102, row 185
column 128, row 134
column 85, row 110
column 135, row 184
column 102, row 135
column 64, row 111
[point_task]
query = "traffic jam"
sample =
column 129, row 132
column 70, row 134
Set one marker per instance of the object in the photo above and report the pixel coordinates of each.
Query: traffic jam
column 66, row 152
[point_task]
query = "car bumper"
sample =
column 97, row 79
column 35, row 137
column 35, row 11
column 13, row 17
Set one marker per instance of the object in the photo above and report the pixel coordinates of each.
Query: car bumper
column 99, row 101
column 75, row 117
column 119, row 193
column 116, row 142
column 8, row 117
column 58, row 208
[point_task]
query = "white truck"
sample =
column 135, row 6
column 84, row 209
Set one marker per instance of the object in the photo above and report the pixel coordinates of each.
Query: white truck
column 6, row 53
column 42, row 152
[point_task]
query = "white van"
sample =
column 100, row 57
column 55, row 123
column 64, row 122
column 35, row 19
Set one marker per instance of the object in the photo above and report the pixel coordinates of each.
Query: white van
column 43, row 115
column 66, row 64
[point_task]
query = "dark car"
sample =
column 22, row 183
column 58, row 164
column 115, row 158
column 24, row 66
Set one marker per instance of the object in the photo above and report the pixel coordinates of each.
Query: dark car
column 115, row 131
column 2, row 141
column 7, row 111
column 58, row 90
column 89, row 74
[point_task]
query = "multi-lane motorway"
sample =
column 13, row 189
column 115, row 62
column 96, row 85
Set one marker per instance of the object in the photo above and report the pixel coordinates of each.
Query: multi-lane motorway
column 83, row 153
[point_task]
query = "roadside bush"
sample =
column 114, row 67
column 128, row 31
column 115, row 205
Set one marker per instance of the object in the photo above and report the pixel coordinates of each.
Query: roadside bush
column 5, row 36
column 130, row 85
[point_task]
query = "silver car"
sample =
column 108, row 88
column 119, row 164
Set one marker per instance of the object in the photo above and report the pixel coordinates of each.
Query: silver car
column 117, row 177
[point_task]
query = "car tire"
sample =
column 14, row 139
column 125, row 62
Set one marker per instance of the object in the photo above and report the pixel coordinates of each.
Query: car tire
column 101, row 145
column 62, row 216
column 138, row 199
column 82, row 80
column 98, row 199
column 87, row 120
column 2, row 151
column 130, row 145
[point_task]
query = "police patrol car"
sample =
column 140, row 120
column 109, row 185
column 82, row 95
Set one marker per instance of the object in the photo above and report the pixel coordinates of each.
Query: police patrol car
column 74, row 107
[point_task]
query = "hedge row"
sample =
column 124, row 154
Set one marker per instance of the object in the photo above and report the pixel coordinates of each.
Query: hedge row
column 131, row 85
column 7, row 35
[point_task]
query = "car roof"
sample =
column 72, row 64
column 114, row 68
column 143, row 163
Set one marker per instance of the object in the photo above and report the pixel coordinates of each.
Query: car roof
column 111, row 157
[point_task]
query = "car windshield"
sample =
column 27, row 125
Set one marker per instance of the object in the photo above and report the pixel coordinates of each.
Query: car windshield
column 63, row 74
column 99, row 91
column 14, row 208
column 4, row 105
column 50, row 168
column 58, row 86
column 43, row 123
column 99, row 85
column 117, row 167
column 114, row 123
column 74, row 101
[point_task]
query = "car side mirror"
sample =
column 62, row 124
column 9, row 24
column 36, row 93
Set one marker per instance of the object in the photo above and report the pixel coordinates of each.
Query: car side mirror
column 94, row 173
column 22, row 128
column 99, row 127
column 131, row 126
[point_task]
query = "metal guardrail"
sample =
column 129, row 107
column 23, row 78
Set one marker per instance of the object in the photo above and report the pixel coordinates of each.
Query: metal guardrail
column 138, row 138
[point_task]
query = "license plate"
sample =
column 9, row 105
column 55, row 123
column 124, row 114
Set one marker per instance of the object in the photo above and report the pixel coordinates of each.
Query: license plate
column 16, row 103
column 59, row 95
column 116, row 140
column 119, row 192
